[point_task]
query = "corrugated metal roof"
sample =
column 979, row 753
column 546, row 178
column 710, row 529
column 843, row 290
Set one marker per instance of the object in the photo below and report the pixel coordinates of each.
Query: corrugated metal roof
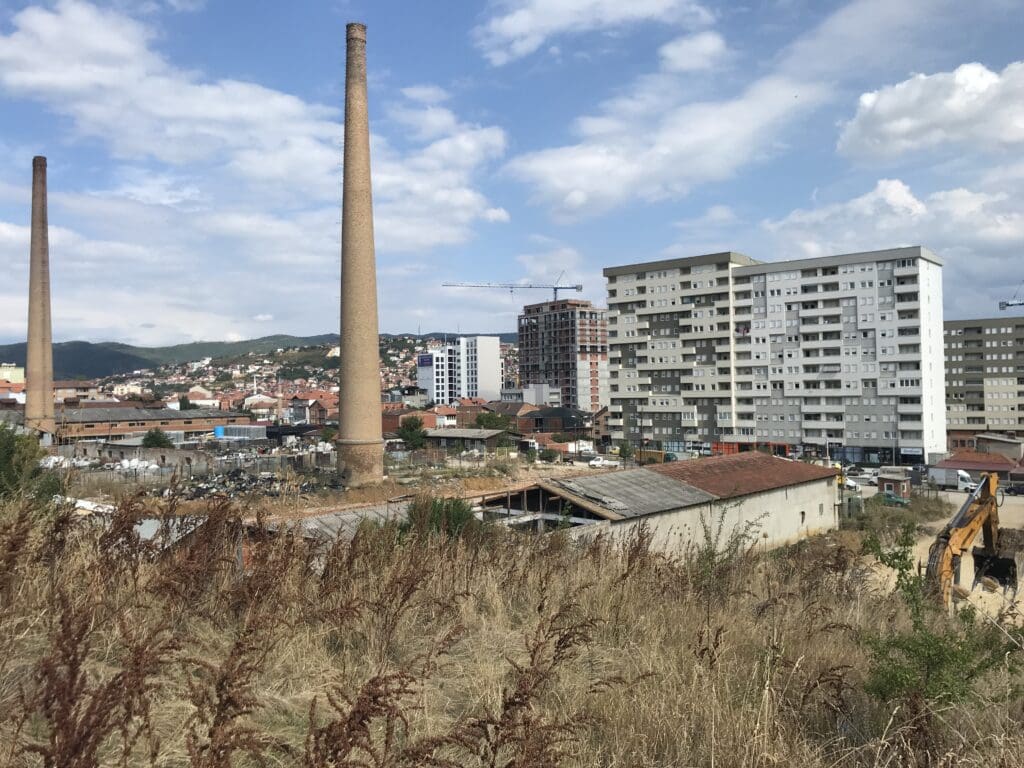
column 742, row 473
column 90, row 415
column 633, row 492
column 465, row 434
column 332, row 525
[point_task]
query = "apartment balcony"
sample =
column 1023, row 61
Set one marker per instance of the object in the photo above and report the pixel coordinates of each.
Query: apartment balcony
column 820, row 312
column 688, row 419
column 840, row 409
column 821, row 344
column 905, row 271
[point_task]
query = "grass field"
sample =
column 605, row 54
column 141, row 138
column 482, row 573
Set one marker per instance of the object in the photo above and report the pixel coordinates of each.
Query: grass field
column 444, row 645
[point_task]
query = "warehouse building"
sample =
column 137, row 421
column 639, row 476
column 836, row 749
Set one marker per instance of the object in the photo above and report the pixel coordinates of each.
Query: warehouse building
column 120, row 422
column 778, row 500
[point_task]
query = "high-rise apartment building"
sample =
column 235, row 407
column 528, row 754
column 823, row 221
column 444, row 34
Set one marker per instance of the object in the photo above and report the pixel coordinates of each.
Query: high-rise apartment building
column 838, row 355
column 984, row 378
column 564, row 343
column 469, row 366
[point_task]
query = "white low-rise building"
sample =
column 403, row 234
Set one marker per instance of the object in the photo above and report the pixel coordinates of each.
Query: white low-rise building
column 774, row 501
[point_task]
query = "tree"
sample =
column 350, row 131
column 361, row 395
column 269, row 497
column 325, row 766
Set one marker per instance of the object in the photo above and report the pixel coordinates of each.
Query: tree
column 156, row 438
column 412, row 433
column 491, row 420
column 184, row 404
column 19, row 462
column 625, row 450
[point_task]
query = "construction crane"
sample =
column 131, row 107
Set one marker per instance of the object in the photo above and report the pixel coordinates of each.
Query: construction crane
column 513, row 287
column 1015, row 301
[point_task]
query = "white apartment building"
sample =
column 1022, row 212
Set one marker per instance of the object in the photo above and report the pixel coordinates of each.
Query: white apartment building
column 838, row 355
column 469, row 366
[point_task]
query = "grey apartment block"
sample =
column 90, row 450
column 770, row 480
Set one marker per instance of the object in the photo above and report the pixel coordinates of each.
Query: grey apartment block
column 984, row 378
column 839, row 355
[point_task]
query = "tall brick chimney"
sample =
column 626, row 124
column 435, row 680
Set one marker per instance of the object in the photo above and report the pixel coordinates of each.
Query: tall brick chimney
column 39, row 354
column 360, row 443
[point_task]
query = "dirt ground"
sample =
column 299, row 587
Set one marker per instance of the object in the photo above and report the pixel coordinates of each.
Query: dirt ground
column 1002, row 601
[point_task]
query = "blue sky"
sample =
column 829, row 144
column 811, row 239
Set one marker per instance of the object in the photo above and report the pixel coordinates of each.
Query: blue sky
column 195, row 162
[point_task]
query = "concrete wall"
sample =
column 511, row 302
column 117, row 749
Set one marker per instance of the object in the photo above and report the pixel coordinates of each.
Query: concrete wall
column 776, row 513
column 182, row 460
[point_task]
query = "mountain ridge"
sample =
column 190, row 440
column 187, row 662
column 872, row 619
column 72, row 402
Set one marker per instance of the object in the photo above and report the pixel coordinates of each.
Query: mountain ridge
column 92, row 360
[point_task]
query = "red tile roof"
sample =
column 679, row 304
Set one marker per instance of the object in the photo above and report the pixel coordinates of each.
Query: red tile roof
column 742, row 473
column 978, row 461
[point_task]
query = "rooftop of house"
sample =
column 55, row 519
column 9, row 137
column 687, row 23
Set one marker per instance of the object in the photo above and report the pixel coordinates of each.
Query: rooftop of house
column 977, row 460
column 741, row 474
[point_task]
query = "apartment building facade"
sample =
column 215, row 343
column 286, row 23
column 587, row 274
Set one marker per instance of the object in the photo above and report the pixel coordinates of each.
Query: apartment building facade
column 469, row 366
column 984, row 378
column 564, row 344
column 838, row 355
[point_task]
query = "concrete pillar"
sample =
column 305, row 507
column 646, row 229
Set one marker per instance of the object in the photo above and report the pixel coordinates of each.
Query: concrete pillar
column 39, row 354
column 360, row 444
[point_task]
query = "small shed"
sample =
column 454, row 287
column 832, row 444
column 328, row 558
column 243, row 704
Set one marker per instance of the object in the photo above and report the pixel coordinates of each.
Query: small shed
column 895, row 480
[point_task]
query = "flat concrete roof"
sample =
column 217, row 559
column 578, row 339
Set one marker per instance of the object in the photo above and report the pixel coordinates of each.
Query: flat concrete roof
column 860, row 257
column 686, row 261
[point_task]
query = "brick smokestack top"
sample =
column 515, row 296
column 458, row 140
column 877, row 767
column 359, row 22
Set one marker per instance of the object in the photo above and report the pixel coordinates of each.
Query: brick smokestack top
column 39, row 354
column 360, row 447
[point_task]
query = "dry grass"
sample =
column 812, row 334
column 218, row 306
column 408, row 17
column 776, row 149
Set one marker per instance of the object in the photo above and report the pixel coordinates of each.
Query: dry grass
column 412, row 649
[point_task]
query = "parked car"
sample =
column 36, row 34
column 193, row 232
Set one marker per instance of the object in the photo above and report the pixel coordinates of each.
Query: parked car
column 1014, row 489
column 850, row 485
column 602, row 463
column 853, row 471
column 890, row 499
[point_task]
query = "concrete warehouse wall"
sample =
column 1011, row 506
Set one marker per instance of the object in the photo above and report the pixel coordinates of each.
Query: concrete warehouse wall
column 776, row 514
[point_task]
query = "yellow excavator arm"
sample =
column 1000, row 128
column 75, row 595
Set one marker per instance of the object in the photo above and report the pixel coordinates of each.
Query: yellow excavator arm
column 979, row 513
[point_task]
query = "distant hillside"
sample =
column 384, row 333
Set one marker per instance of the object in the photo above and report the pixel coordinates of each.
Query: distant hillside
column 86, row 360
column 82, row 359
column 197, row 350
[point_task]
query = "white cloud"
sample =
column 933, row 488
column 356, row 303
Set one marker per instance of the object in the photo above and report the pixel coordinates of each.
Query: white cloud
column 263, row 318
column 693, row 52
column 622, row 155
column 970, row 106
column 426, row 94
column 656, row 141
column 518, row 28
column 979, row 234
column 221, row 182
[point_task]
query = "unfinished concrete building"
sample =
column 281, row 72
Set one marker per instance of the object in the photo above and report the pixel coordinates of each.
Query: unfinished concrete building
column 564, row 344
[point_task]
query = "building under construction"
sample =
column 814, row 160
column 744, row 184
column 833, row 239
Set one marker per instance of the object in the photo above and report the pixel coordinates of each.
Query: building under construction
column 564, row 344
